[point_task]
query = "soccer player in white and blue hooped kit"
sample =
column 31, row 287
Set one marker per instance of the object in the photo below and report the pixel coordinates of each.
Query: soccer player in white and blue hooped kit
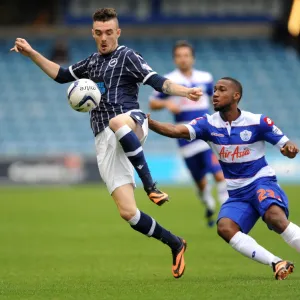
column 238, row 138
column 197, row 155
column 119, row 126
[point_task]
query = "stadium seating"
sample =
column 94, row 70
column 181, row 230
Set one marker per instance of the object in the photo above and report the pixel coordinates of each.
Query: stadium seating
column 35, row 117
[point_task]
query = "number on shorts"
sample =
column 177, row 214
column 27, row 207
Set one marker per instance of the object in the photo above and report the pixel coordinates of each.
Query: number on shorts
column 263, row 194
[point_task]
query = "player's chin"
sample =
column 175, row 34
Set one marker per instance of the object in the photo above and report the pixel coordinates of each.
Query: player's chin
column 104, row 50
column 217, row 108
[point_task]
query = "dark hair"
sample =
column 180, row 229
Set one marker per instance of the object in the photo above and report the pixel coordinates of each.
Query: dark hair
column 237, row 84
column 105, row 14
column 181, row 44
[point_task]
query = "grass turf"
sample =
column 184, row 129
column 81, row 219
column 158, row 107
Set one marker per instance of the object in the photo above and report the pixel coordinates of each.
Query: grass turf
column 70, row 243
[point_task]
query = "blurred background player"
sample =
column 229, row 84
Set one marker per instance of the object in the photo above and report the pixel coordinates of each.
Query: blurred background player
column 197, row 154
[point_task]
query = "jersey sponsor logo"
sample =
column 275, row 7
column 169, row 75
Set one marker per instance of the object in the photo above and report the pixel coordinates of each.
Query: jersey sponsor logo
column 245, row 135
column 268, row 121
column 217, row 134
column 101, row 87
column 237, row 153
column 276, row 130
column 113, row 62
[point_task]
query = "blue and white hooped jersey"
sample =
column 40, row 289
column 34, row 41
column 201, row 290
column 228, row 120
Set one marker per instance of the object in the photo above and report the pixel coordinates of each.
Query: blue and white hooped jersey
column 240, row 147
column 190, row 110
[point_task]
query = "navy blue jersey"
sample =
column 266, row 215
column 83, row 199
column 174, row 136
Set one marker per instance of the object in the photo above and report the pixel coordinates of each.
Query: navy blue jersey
column 118, row 76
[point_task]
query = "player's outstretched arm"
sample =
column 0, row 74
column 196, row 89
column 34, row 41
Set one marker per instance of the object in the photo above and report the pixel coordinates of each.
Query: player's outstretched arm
column 172, row 88
column 170, row 130
column 290, row 149
column 48, row 66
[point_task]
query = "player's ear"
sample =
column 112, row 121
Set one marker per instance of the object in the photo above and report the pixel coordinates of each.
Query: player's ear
column 118, row 32
column 237, row 96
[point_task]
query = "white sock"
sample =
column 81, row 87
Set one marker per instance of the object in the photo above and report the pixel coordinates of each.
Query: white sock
column 246, row 245
column 207, row 197
column 135, row 219
column 222, row 191
column 292, row 236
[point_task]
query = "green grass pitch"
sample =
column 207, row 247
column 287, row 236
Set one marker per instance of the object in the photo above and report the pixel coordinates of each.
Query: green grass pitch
column 70, row 243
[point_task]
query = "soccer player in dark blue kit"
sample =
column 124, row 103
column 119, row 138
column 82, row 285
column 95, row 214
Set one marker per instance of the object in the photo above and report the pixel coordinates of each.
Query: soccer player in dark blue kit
column 119, row 126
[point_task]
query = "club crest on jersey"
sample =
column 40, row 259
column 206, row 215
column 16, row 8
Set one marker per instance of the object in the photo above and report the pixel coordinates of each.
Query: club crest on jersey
column 113, row 62
column 246, row 135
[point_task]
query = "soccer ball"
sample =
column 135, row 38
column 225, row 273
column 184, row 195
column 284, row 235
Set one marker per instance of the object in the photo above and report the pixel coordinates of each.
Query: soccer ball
column 84, row 95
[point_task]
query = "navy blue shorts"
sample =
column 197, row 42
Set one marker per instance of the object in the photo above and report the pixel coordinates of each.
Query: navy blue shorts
column 138, row 116
column 202, row 163
column 251, row 202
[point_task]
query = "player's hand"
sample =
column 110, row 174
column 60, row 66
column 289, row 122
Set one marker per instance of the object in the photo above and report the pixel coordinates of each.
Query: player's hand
column 194, row 94
column 290, row 150
column 23, row 47
column 150, row 121
column 172, row 107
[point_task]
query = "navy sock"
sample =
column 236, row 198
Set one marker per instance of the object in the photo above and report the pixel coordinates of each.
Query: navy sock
column 148, row 226
column 134, row 151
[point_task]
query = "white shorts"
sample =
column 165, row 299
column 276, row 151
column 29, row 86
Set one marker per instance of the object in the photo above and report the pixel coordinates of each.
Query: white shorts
column 114, row 166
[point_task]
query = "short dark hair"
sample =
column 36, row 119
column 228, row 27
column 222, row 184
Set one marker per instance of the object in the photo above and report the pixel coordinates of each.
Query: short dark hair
column 105, row 14
column 237, row 84
column 181, row 44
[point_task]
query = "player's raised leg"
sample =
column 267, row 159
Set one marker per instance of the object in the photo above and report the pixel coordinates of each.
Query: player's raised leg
column 118, row 175
column 143, row 223
column 235, row 220
column 127, row 131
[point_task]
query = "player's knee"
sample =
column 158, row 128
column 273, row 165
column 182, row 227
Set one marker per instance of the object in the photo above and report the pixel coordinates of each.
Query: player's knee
column 226, row 229
column 127, row 214
column 276, row 218
column 117, row 122
column 202, row 184
column 219, row 177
